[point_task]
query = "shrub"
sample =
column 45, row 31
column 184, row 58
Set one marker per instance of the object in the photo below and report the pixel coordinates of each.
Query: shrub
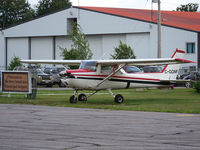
column 14, row 62
column 197, row 86
column 123, row 51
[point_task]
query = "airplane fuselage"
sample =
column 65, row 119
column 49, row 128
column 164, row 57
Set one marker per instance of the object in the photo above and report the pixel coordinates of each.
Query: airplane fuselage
column 121, row 80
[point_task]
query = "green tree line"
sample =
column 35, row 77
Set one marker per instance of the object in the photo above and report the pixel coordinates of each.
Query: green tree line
column 16, row 11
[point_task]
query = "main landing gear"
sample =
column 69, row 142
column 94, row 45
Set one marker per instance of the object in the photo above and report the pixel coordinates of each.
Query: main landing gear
column 117, row 98
column 82, row 97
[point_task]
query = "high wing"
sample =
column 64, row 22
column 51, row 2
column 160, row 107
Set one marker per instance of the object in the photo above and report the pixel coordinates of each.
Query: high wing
column 135, row 62
column 145, row 62
column 67, row 62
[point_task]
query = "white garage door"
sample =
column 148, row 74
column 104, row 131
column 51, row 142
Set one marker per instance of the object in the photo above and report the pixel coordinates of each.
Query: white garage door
column 62, row 42
column 17, row 47
column 140, row 43
column 42, row 48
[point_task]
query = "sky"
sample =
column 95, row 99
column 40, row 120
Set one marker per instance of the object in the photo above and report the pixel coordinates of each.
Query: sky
column 135, row 4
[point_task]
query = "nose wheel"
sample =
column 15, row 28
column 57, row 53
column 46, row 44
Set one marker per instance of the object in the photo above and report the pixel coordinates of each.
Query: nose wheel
column 73, row 99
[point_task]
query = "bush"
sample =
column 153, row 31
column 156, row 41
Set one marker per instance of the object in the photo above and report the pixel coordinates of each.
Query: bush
column 123, row 51
column 197, row 86
column 14, row 62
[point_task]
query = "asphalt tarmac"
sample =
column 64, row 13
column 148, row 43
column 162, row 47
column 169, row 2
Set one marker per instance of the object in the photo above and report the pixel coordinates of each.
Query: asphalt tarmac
column 26, row 127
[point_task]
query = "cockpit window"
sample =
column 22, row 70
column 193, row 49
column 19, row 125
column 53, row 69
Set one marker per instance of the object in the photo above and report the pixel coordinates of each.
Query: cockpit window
column 106, row 69
column 131, row 69
column 89, row 65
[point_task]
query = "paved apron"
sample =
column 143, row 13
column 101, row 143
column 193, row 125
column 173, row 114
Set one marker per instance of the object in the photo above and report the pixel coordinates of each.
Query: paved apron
column 26, row 127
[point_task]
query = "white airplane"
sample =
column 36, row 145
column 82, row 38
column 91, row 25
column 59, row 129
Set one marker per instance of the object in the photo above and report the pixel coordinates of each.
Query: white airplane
column 99, row 75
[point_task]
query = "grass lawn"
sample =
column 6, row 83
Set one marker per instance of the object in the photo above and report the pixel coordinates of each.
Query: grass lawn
column 178, row 100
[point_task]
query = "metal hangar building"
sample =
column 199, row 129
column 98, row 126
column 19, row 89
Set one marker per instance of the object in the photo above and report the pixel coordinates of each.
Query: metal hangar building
column 41, row 38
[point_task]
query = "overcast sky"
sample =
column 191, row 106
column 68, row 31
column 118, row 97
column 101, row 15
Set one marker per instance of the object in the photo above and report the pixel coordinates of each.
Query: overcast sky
column 136, row 4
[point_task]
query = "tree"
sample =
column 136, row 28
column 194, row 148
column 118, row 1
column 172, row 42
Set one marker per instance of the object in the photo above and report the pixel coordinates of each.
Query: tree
column 14, row 11
column 80, row 47
column 48, row 6
column 123, row 51
column 190, row 7
column 14, row 63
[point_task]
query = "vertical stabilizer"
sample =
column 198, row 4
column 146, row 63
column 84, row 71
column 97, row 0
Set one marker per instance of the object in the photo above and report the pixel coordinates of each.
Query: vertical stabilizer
column 171, row 71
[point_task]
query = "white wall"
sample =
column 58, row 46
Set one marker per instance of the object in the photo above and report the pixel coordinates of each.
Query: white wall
column 175, row 38
column 54, row 24
column 2, row 52
column 99, row 23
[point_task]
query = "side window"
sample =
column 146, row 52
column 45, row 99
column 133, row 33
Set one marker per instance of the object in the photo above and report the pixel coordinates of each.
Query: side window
column 106, row 69
column 89, row 65
column 190, row 48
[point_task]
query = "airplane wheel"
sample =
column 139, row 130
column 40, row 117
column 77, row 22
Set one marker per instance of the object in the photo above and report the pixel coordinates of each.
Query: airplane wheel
column 119, row 98
column 188, row 84
column 82, row 97
column 73, row 99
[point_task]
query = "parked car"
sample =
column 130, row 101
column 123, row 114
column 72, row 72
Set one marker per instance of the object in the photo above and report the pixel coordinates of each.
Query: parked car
column 55, row 72
column 181, row 76
column 42, row 78
column 193, row 76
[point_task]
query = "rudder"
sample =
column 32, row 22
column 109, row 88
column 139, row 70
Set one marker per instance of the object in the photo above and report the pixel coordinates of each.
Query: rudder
column 171, row 71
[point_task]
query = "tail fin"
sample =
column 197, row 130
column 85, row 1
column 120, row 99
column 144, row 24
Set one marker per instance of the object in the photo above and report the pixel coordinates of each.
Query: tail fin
column 171, row 71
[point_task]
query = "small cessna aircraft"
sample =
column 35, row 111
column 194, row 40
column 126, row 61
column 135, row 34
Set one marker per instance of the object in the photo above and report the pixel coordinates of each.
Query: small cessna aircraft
column 99, row 75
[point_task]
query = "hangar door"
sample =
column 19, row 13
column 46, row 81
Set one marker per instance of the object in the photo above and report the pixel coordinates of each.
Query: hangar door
column 140, row 43
column 42, row 48
column 17, row 47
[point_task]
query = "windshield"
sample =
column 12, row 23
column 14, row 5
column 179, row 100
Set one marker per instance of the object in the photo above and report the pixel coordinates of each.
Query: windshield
column 89, row 65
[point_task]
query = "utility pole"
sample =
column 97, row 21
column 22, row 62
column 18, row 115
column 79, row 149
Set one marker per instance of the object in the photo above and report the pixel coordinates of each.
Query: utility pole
column 159, row 31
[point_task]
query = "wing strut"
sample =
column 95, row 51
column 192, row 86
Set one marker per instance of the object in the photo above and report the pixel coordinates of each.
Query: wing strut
column 111, row 74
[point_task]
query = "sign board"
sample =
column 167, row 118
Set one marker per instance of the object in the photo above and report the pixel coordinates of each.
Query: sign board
column 16, row 82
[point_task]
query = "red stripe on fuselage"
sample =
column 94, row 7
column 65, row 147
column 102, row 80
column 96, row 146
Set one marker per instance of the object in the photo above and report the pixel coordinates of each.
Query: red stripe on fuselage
column 89, row 75
column 78, row 71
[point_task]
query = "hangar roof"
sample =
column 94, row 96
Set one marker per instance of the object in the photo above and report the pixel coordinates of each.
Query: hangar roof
column 184, row 20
